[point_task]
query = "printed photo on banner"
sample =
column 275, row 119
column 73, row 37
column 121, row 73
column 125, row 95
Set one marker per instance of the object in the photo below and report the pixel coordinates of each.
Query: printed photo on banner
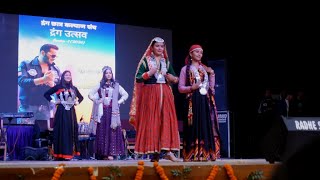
column 49, row 46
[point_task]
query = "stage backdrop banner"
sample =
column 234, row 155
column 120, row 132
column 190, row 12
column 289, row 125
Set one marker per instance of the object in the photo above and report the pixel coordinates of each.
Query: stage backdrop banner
column 84, row 48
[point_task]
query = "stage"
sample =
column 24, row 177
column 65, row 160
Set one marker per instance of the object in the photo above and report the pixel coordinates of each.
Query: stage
column 78, row 169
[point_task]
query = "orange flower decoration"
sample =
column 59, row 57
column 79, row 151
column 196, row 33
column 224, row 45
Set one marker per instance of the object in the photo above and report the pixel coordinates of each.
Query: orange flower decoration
column 213, row 172
column 230, row 172
column 160, row 171
column 140, row 170
column 91, row 176
column 57, row 174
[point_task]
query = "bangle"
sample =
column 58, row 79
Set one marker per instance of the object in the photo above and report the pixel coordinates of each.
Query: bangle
column 145, row 76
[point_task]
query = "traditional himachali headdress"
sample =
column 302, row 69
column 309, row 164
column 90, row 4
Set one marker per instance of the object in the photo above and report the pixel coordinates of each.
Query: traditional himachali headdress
column 105, row 68
column 149, row 49
column 192, row 48
column 137, row 86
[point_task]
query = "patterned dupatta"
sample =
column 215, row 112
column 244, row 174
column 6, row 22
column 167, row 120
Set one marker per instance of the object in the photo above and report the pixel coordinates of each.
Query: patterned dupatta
column 210, row 96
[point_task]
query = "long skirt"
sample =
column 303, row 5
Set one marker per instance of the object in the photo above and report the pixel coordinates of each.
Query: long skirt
column 65, row 133
column 200, row 135
column 157, row 124
column 109, row 142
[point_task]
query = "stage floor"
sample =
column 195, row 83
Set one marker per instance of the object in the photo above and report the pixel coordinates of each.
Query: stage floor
column 103, row 163
column 78, row 169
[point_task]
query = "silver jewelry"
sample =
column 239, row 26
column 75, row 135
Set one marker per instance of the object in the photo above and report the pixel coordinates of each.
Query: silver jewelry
column 159, row 74
column 66, row 100
column 204, row 85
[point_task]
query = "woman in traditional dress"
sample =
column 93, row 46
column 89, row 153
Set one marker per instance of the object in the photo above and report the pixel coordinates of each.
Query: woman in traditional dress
column 65, row 128
column 109, row 137
column 152, row 110
column 201, row 140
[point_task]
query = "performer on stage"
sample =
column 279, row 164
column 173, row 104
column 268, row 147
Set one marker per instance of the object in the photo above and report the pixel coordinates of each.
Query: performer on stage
column 152, row 110
column 105, row 111
column 201, row 140
column 65, row 129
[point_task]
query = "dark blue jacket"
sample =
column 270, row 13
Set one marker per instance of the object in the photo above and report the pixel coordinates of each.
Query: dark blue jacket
column 29, row 93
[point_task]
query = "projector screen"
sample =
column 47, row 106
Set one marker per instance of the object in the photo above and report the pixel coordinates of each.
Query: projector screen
column 85, row 47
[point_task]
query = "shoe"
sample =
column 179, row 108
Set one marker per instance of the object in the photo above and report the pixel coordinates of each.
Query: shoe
column 170, row 156
column 110, row 157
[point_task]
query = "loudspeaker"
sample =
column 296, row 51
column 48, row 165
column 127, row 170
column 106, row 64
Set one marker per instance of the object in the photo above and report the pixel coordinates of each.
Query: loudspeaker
column 224, row 120
column 30, row 153
column 288, row 135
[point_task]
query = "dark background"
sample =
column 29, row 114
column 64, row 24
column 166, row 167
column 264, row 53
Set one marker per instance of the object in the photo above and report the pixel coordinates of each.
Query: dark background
column 265, row 45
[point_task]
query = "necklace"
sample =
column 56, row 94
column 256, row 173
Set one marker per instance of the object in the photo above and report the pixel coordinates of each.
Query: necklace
column 161, row 66
column 203, row 85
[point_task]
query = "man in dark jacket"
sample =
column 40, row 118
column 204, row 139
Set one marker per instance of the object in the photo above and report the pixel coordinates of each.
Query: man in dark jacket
column 34, row 78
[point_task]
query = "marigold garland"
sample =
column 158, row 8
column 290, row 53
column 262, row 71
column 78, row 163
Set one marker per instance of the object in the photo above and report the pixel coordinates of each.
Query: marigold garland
column 140, row 170
column 160, row 171
column 57, row 174
column 91, row 176
column 213, row 172
column 230, row 172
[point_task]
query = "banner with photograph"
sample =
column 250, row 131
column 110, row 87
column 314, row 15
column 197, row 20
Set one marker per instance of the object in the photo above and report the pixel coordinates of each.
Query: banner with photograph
column 84, row 48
